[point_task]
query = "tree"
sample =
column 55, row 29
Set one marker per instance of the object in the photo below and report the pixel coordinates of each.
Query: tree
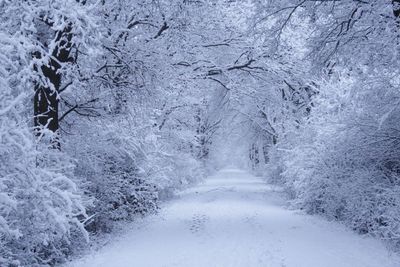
column 36, row 182
column 341, row 159
column 57, row 32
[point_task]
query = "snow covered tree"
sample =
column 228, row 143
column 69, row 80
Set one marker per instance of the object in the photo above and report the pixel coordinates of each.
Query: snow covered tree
column 36, row 181
column 341, row 160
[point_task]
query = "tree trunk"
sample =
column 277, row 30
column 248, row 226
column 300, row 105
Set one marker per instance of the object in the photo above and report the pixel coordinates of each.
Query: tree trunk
column 396, row 8
column 46, row 98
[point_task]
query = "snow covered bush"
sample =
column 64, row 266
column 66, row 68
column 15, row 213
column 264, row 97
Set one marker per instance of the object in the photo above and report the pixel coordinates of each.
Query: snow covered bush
column 40, row 205
column 133, row 168
column 345, row 162
column 112, row 173
column 339, row 158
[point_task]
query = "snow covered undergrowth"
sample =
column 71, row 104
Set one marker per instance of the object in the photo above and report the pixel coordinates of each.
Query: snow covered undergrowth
column 235, row 219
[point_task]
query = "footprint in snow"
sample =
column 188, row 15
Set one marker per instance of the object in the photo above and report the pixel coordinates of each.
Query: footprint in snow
column 198, row 223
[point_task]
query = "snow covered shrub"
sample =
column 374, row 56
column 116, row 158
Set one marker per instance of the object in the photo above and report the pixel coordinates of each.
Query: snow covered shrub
column 39, row 203
column 110, row 160
column 48, row 206
column 126, row 169
column 120, row 193
column 173, row 160
column 174, row 171
column 345, row 162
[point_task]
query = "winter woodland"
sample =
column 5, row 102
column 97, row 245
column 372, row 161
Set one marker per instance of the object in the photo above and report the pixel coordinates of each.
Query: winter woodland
column 110, row 107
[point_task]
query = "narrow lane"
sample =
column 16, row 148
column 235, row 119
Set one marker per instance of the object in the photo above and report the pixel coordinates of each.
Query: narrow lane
column 234, row 219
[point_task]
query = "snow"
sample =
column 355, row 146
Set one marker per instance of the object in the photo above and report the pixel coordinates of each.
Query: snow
column 236, row 219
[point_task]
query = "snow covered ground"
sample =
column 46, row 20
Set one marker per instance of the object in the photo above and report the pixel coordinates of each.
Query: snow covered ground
column 235, row 219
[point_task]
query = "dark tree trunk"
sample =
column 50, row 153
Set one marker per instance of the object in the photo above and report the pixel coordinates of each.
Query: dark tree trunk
column 46, row 106
column 254, row 156
column 46, row 98
column 396, row 8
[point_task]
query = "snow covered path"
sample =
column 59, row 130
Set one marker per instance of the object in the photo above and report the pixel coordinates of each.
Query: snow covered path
column 235, row 219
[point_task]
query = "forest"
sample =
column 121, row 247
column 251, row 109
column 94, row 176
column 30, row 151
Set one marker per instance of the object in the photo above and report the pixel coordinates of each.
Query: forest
column 108, row 108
